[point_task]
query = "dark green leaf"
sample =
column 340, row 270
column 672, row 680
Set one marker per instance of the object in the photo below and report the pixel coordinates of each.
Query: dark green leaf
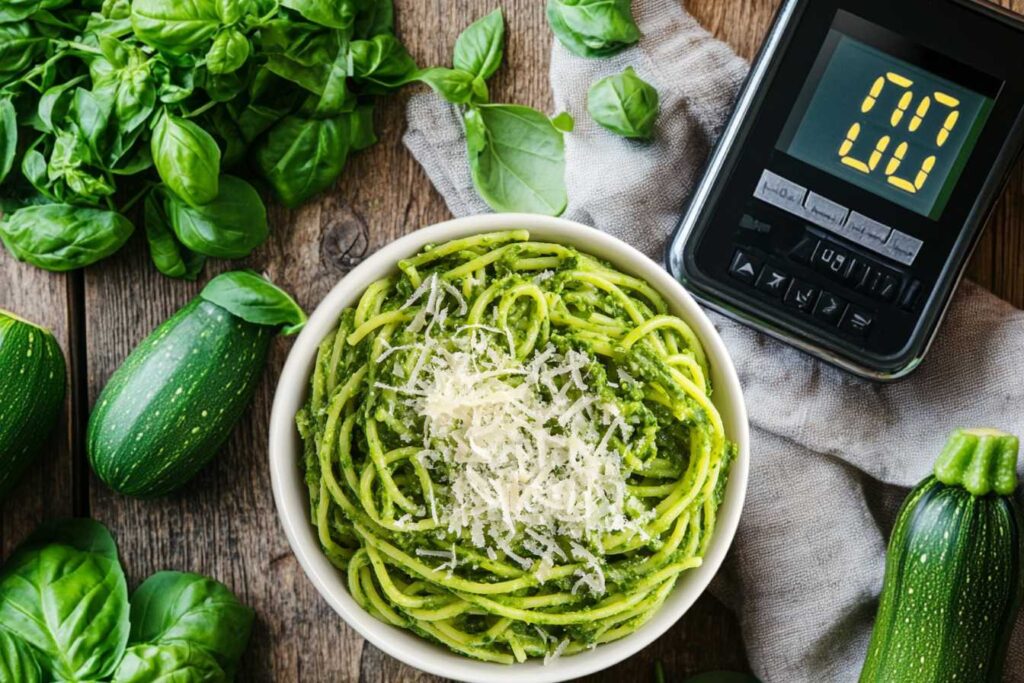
column 70, row 605
column 338, row 14
column 624, row 104
column 55, row 101
column 170, row 257
column 62, row 237
column 480, row 47
column 517, row 159
column 17, row 663
column 382, row 61
column 301, row 157
column 374, row 17
column 187, row 159
column 8, row 136
column 175, row 26
column 230, row 226
column 361, row 134
column 454, row 85
column 20, row 45
column 177, row 606
column 228, row 53
column 82, row 534
column 593, row 28
column 91, row 114
column 177, row 662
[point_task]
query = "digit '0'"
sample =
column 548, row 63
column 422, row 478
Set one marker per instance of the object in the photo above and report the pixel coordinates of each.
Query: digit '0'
column 882, row 145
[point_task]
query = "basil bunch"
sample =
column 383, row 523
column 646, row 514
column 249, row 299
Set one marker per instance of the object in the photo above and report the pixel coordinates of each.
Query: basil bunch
column 107, row 103
column 65, row 615
column 516, row 154
column 593, row 28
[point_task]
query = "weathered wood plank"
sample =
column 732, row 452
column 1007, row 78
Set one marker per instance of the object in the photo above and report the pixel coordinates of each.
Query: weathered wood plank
column 47, row 489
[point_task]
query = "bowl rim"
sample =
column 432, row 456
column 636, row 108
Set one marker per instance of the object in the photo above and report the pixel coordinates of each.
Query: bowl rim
column 293, row 507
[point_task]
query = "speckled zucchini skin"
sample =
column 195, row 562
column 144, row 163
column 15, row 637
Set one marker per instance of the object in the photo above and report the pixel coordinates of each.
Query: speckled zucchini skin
column 32, row 386
column 952, row 589
column 171, row 405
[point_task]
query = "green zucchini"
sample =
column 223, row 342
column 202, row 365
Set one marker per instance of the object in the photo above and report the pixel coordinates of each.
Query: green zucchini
column 173, row 402
column 32, row 387
column 953, row 581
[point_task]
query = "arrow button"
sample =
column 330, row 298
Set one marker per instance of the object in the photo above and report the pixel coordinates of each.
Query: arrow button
column 744, row 267
column 773, row 281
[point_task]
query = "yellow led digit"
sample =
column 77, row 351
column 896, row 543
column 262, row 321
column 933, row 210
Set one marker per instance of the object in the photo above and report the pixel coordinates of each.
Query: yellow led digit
column 876, row 156
column 922, row 111
column 951, row 119
column 922, row 175
column 894, row 165
column 872, row 98
column 847, row 146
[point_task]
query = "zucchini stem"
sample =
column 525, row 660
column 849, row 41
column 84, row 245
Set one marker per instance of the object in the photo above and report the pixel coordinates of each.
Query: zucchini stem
column 980, row 460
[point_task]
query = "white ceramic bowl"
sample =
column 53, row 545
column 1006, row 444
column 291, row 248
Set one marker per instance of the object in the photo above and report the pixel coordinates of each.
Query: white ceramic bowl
column 291, row 497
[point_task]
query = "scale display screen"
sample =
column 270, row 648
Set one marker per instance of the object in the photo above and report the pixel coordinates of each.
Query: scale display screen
column 887, row 126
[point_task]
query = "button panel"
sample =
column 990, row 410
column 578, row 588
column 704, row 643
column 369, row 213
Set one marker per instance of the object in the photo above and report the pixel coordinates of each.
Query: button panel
column 880, row 238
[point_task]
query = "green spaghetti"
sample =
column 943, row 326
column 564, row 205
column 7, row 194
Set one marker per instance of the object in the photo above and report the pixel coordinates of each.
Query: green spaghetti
column 511, row 450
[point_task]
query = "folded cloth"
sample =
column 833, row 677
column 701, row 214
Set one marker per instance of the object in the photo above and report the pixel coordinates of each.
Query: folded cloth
column 832, row 455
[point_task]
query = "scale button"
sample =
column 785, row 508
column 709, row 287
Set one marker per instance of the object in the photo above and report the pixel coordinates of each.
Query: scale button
column 773, row 281
column 829, row 307
column 911, row 295
column 780, row 192
column 801, row 295
column 887, row 287
column 804, row 252
column 857, row 321
column 748, row 222
column 866, row 231
column 833, row 260
column 825, row 213
column 744, row 266
column 902, row 248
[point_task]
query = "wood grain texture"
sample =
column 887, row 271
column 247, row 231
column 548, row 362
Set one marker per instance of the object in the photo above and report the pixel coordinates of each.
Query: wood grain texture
column 224, row 523
column 47, row 488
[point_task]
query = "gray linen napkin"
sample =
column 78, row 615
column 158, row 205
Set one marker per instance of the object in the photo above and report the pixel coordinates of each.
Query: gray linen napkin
column 832, row 455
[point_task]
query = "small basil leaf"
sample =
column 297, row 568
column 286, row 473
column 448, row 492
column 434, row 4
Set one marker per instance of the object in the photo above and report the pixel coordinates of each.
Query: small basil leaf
column 175, row 27
column 624, row 104
column 360, row 126
column 374, row 18
column 62, row 237
column 21, row 44
column 169, row 256
column 8, row 136
column 54, row 104
column 335, row 97
column 91, row 114
column 17, row 663
column 302, row 157
column 70, row 605
column 252, row 298
column 230, row 226
column 593, row 28
column 178, row 606
column 228, row 53
column 564, row 122
column 33, row 167
column 338, row 14
column 381, row 61
column 454, row 85
column 480, row 47
column 81, row 534
column 517, row 159
column 187, row 159
column 178, row 662
column 232, row 11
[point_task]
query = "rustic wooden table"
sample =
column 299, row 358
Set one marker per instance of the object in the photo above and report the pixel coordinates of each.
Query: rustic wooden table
column 224, row 523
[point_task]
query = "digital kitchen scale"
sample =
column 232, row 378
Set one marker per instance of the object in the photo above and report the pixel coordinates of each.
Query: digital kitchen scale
column 851, row 184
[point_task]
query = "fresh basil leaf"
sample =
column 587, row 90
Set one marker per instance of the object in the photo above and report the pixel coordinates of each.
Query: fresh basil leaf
column 8, row 136
column 61, row 237
column 177, row 606
column 232, row 11
column 454, row 85
column 175, row 26
column 624, row 104
column 33, row 167
column 187, row 159
column 17, row 663
column 82, row 534
column 16, row 10
column 480, row 47
column 382, row 61
column 55, row 101
column 178, row 662
column 339, row 14
column 302, row 157
column 373, row 18
column 170, row 257
column 564, row 122
column 230, row 226
column 228, row 53
column 20, row 45
column 70, row 605
column 593, row 28
column 91, row 114
column 517, row 159
column 360, row 126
